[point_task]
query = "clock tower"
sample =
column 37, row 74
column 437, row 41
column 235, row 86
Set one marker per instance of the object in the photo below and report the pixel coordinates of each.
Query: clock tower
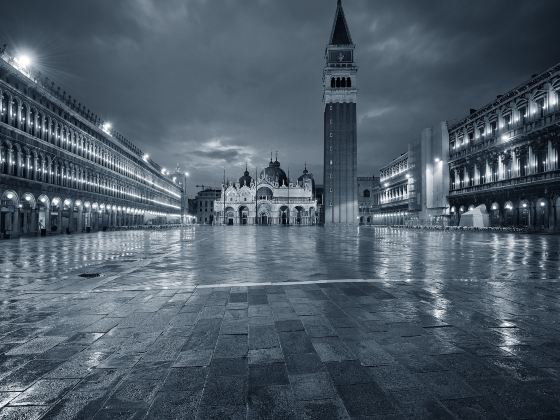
column 340, row 201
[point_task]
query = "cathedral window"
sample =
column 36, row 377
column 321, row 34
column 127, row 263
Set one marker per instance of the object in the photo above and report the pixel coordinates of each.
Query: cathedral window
column 348, row 82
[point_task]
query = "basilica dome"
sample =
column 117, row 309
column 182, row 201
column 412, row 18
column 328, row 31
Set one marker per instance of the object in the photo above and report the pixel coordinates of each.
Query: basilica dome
column 307, row 178
column 274, row 173
column 245, row 179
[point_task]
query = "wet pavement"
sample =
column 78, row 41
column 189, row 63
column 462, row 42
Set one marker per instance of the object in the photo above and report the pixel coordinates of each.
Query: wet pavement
column 257, row 322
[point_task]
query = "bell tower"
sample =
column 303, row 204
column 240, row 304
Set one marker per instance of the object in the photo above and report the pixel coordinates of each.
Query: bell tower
column 340, row 95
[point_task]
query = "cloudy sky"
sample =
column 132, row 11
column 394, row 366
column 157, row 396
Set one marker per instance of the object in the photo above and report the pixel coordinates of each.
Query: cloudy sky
column 211, row 84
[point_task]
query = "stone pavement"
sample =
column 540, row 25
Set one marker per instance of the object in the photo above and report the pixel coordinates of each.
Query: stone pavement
column 101, row 347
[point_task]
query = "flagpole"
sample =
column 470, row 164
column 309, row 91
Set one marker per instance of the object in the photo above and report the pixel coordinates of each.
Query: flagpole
column 256, row 197
column 224, row 187
column 289, row 212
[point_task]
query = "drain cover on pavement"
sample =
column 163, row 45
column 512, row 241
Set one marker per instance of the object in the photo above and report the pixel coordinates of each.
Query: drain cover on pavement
column 89, row 275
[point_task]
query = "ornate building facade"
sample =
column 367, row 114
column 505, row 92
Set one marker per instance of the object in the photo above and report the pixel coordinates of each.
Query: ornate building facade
column 505, row 156
column 397, row 193
column 340, row 129
column 272, row 199
column 62, row 170
column 412, row 188
column 368, row 198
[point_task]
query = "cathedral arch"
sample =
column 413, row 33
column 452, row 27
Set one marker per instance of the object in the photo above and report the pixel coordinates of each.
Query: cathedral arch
column 229, row 216
column 243, row 215
column 264, row 193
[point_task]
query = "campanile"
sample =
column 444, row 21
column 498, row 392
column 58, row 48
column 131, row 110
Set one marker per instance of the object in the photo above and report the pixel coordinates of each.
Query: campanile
column 340, row 142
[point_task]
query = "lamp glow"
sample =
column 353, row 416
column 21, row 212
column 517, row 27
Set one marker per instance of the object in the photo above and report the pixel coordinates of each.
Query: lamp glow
column 23, row 60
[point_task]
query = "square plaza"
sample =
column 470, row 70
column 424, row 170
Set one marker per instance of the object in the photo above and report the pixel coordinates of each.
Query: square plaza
column 287, row 323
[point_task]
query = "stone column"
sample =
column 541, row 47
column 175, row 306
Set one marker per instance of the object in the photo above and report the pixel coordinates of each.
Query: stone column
column 10, row 109
column 551, row 216
column 35, row 129
column 532, row 215
column 15, row 223
column 80, row 219
column 28, row 126
column 35, row 167
column 18, row 113
column 530, row 161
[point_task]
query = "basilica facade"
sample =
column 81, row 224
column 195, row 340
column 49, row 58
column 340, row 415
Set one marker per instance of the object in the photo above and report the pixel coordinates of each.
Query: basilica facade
column 270, row 199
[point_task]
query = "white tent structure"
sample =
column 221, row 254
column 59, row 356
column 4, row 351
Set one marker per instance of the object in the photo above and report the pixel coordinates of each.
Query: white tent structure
column 477, row 217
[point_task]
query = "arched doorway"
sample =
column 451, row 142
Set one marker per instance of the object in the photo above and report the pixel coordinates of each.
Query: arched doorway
column 43, row 205
column 67, row 213
column 28, row 224
column 542, row 214
column 264, row 219
column 230, row 216
column 494, row 214
column 55, row 216
column 243, row 215
column 87, row 219
column 524, row 213
column 8, row 214
column 301, row 216
column 284, row 215
column 509, row 219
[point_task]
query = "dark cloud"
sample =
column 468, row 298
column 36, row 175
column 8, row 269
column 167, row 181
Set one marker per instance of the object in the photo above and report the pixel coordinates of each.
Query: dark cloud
column 216, row 83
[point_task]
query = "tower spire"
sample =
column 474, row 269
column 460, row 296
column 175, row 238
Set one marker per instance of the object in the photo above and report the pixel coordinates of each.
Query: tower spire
column 340, row 34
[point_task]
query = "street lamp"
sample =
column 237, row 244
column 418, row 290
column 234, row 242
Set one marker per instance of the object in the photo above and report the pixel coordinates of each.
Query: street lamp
column 23, row 60
column 106, row 127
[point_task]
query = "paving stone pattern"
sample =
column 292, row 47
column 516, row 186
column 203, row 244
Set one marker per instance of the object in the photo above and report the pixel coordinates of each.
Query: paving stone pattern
column 178, row 346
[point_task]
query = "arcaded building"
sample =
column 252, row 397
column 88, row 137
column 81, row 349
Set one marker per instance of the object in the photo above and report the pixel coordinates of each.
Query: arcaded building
column 272, row 199
column 397, row 192
column 504, row 156
column 63, row 170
